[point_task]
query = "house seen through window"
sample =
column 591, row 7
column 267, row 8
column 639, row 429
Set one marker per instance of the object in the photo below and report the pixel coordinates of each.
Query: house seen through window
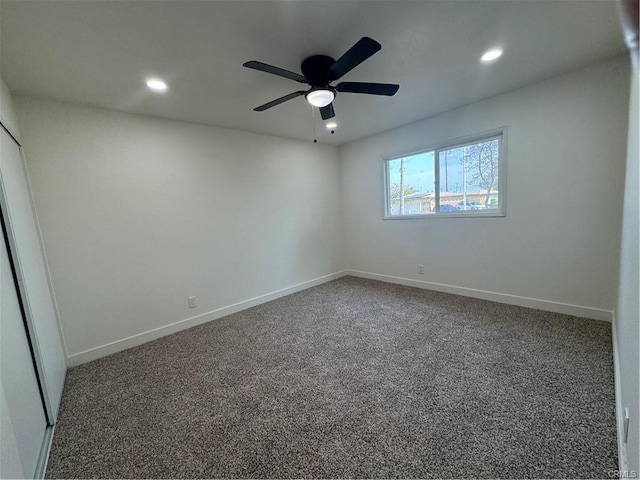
column 461, row 179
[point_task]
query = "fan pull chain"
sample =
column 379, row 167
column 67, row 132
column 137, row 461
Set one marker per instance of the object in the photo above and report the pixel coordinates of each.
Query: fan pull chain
column 313, row 115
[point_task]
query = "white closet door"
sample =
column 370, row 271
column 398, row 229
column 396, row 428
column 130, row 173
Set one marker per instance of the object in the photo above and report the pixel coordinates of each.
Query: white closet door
column 28, row 255
column 22, row 418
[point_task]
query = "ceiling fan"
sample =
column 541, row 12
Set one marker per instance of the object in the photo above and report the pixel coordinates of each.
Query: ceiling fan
column 318, row 71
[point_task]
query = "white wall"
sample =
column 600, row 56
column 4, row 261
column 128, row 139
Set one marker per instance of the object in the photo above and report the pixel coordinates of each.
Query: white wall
column 558, row 243
column 628, row 309
column 139, row 213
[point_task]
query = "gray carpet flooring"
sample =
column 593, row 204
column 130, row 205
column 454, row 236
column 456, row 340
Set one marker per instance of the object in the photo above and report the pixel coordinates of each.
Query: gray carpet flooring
column 353, row 378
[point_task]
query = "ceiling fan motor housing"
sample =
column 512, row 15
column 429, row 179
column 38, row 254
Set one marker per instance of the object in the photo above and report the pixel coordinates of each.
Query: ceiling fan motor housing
column 316, row 70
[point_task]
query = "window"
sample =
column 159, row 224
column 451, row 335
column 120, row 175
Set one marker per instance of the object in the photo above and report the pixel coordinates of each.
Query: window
column 463, row 178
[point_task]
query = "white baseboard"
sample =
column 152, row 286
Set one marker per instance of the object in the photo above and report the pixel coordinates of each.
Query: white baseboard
column 549, row 306
column 622, row 449
column 144, row 337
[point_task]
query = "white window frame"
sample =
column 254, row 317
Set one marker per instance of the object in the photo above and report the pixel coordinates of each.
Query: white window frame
column 501, row 211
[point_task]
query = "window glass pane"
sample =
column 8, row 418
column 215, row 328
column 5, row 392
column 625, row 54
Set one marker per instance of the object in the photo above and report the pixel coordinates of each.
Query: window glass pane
column 411, row 181
column 469, row 177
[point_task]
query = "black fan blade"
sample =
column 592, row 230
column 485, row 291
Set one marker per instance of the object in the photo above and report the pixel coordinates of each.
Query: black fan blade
column 327, row 112
column 388, row 89
column 281, row 72
column 278, row 101
column 363, row 49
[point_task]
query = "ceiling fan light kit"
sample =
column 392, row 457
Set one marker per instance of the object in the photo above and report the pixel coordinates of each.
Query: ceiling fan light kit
column 321, row 97
column 318, row 71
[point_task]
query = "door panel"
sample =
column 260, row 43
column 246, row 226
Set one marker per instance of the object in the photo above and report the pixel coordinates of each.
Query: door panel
column 28, row 255
column 22, row 416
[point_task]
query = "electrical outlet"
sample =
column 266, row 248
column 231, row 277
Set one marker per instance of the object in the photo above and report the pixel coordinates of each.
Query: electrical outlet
column 193, row 303
column 421, row 269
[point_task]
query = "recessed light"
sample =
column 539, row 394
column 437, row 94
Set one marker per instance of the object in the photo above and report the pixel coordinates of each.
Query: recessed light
column 491, row 55
column 157, row 85
column 332, row 124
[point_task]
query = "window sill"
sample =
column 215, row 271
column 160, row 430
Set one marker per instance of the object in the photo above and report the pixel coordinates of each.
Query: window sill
column 446, row 215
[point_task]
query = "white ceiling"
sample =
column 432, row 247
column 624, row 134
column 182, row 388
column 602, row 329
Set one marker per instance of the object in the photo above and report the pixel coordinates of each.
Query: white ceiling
column 99, row 53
